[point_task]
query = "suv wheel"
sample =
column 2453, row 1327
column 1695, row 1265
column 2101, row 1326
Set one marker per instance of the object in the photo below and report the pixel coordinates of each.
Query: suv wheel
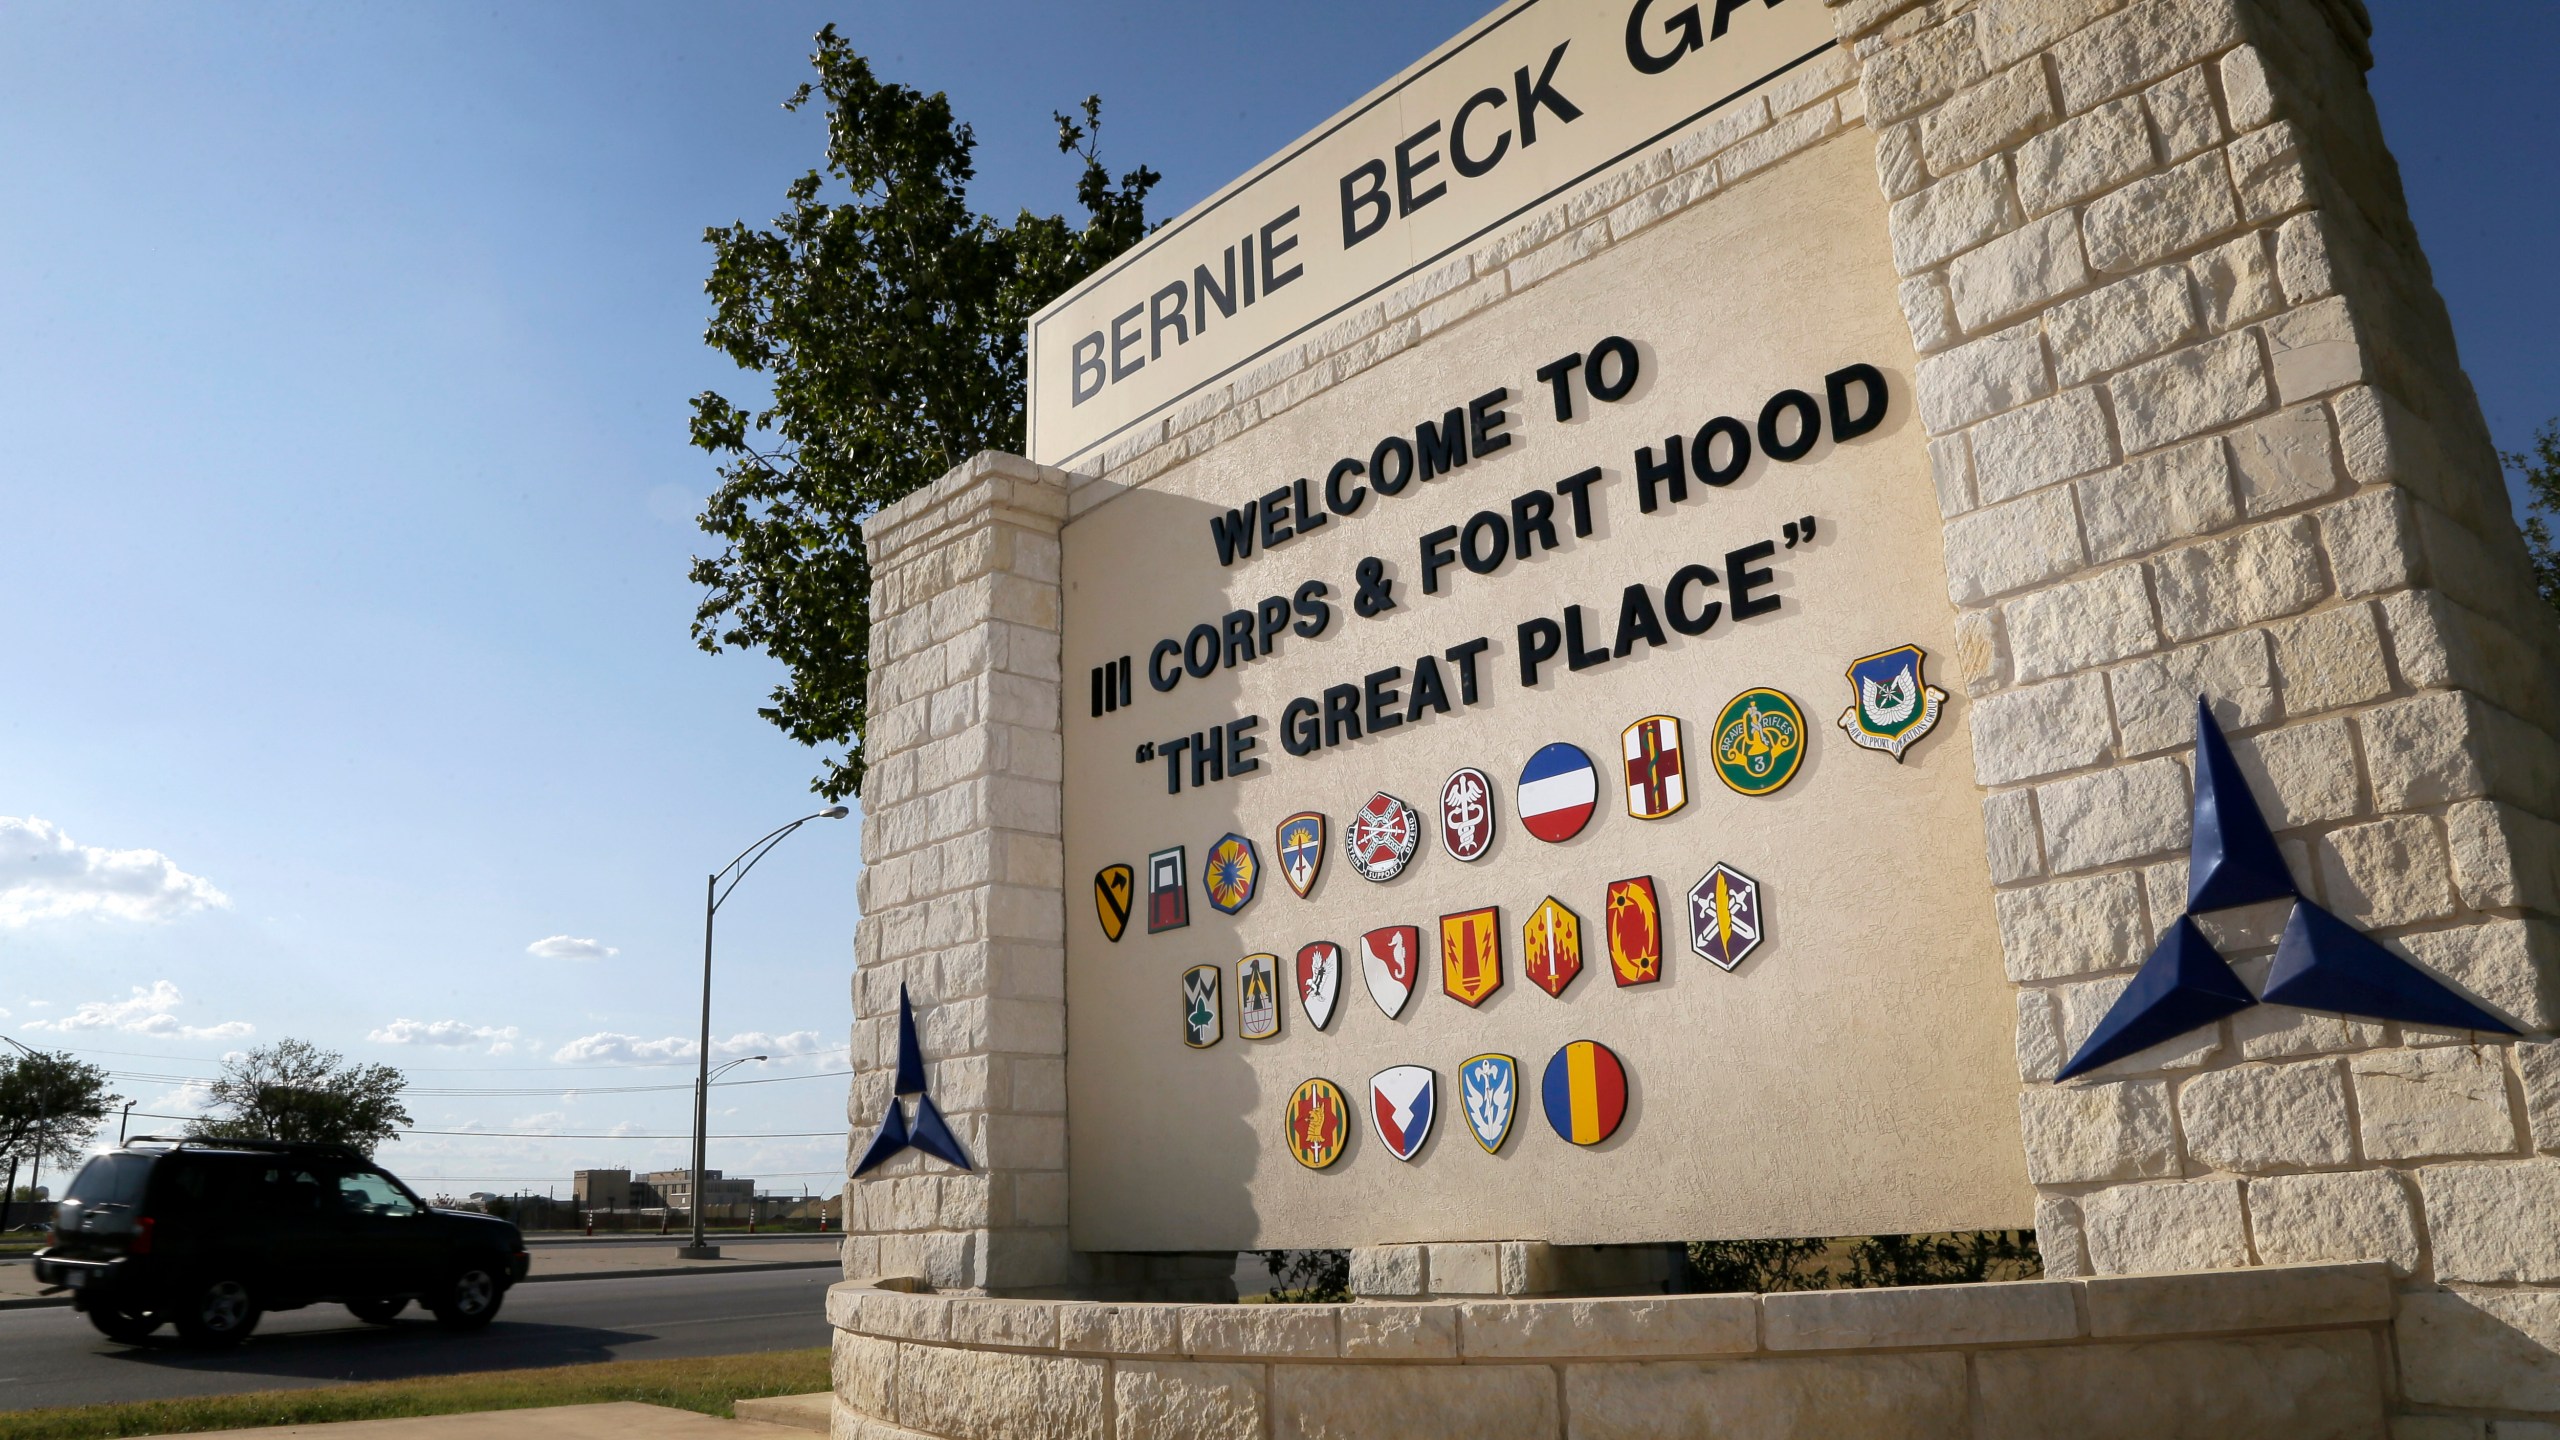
column 117, row 1323
column 220, row 1312
column 377, row 1312
column 471, row 1296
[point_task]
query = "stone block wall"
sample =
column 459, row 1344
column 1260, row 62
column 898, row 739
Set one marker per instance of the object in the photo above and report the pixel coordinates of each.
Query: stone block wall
column 2296, row 1352
column 2198, row 425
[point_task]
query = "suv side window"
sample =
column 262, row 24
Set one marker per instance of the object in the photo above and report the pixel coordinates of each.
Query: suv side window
column 367, row 1192
column 293, row 1193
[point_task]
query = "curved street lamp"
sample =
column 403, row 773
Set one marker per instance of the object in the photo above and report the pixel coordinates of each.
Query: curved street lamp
column 714, row 894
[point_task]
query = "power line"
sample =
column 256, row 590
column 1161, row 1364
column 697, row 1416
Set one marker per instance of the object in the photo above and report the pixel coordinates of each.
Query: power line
column 546, row 1135
column 454, row 1069
column 148, row 1077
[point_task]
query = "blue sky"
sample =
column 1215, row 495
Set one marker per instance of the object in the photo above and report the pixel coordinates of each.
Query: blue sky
column 344, row 353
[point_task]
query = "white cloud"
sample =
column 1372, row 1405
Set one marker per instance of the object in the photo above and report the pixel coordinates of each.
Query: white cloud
column 404, row 1031
column 608, row 1047
column 569, row 947
column 147, row 1011
column 45, row 875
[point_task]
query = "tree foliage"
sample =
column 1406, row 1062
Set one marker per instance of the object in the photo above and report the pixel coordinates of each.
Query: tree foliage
column 53, row 1100
column 888, row 318
column 1864, row 1261
column 2539, row 468
column 294, row 1090
column 1308, row 1277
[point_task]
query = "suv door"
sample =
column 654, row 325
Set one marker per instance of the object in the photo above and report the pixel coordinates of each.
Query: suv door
column 385, row 1242
column 296, row 1235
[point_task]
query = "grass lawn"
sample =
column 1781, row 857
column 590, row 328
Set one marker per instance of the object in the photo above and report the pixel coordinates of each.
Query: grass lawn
column 708, row 1385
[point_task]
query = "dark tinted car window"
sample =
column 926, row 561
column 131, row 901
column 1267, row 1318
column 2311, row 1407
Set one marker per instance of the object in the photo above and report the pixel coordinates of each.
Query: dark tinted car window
column 111, row 1180
column 220, row 1184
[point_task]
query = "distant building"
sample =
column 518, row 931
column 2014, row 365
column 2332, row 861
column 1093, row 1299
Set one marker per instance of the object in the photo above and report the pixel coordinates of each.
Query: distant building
column 603, row 1190
column 674, row 1189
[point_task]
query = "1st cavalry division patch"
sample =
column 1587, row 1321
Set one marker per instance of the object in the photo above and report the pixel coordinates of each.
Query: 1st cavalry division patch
column 1168, row 903
column 1891, row 702
column 1471, row 954
column 1112, row 891
column 1258, row 997
column 1202, row 1025
column 1318, row 1122
column 1381, row 836
column 1634, row 920
column 1230, row 873
column 1759, row 741
column 1301, row 849
column 1656, row 785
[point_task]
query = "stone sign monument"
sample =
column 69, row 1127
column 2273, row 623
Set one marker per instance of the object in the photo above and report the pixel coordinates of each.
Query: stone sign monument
column 1750, row 619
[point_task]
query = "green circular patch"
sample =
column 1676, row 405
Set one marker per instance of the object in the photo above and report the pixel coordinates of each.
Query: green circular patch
column 1759, row 741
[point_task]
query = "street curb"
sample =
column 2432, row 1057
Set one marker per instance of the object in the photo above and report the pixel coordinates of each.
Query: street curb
column 39, row 1302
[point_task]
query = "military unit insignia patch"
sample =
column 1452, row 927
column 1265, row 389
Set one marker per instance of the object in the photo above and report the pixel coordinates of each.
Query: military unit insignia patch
column 1656, row 785
column 1471, row 954
column 1892, row 704
column 1258, row 997
column 1381, row 837
column 1634, row 918
column 1558, row 790
column 1400, row 1103
column 1585, row 1092
column 1318, row 1122
column 1388, row 959
column 1230, row 873
column 1319, row 981
column 1487, row 1086
column 1301, row 848
column 1202, row 1024
column 1551, row 946
column 1466, row 814
column 1114, row 886
column 1724, row 915
column 1759, row 741
column 1168, row 900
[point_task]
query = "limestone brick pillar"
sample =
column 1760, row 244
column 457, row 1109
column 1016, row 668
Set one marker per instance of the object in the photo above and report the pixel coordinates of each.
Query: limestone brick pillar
column 2198, row 425
column 960, row 887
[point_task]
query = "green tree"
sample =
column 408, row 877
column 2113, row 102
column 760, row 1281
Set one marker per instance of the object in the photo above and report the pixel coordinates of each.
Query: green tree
column 294, row 1090
column 52, row 1100
column 2539, row 468
column 888, row 319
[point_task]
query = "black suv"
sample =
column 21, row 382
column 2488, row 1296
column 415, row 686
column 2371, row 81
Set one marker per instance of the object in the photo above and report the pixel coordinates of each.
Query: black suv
column 209, row 1234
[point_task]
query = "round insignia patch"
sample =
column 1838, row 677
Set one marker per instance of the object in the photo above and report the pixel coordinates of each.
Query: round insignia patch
column 1558, row 788
column 1466, row 814
column 1585, row 1092
column 1317, row 1123
column 1230, row 872
column 1381, row 837
column 1759, row 741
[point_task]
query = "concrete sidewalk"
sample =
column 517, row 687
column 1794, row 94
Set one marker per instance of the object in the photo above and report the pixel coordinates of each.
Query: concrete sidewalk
column 622, row 1420
column 18, row 1288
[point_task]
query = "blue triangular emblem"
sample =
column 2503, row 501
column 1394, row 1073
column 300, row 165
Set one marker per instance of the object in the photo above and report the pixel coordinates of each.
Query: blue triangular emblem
column 2323, row 964
column 2232, row 857
column 910, row 1054
column 2185, row 984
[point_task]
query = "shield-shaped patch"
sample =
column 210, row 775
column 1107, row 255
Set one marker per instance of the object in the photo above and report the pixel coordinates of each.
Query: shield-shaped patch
column 1471, row 954
column 1388, row 959
column 1168, row 902
column 1113, row 888
column 1635, row 931
column 1891, row 702
column 1202, row 1024
column 1551, row 946
column 1488, row 1086
column 1400, row 1103
column 1258, row 997
column 1301, row 848
column 1656, row 784
column 1319, row 980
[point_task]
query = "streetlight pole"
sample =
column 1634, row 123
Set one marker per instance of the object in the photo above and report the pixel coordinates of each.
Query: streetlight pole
column 713, row 894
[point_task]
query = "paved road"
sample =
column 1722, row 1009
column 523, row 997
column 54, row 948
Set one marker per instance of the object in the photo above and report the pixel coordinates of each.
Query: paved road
column 52, row 1357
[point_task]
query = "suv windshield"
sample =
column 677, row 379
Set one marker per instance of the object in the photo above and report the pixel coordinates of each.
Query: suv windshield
column 364, row 1192
column 111, row 1180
